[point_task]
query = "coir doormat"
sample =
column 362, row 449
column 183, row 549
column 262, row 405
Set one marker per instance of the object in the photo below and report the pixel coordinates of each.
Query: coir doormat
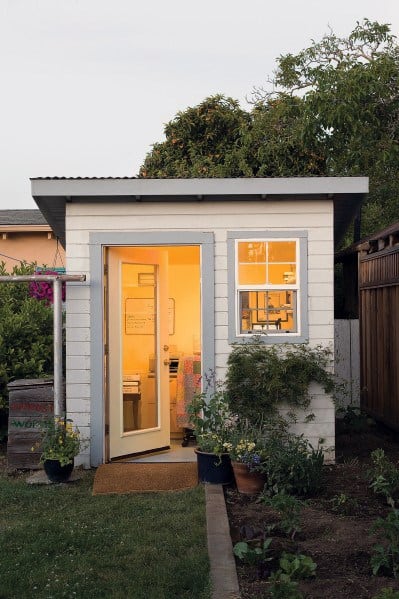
column 142, row 478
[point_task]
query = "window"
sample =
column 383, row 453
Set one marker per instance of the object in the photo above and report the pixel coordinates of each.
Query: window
column 268, row 286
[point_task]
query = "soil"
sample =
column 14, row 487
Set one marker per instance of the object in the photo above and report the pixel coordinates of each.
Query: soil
column 335, row 534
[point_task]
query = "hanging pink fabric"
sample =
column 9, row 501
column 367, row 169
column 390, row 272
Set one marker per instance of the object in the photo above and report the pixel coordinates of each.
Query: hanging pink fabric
column 187, row 385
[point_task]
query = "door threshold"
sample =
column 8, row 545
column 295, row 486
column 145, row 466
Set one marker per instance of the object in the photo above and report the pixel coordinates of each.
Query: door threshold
column 176, row 453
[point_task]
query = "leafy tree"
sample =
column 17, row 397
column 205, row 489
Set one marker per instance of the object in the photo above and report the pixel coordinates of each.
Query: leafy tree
column 333, row 110
column 274, row 145
column 350, row 105
column 26, row 333
column 202, row 141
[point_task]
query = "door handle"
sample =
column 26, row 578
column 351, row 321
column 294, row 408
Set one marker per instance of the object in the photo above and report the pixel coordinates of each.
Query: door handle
column 166, row 348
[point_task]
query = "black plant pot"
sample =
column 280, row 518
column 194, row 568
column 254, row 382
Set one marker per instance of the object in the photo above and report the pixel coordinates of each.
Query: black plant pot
column 212, row 469
column 57, row 473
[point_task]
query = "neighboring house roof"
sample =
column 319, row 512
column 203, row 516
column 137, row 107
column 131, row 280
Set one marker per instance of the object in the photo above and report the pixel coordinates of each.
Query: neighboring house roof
column 22, row 217
column 52, row 193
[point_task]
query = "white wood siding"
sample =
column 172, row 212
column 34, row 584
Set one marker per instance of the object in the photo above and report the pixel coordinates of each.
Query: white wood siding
column 316, row 217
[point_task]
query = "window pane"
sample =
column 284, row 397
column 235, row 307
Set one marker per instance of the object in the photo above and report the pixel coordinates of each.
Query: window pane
column 250, row 251
column 282, row 274
column 282, row 251
column 267, row 311
column 251, row 274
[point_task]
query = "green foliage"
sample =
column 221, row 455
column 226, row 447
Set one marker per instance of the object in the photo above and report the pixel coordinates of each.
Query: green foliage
column 274, row 145
column 293, row 467
column 210, row 417
column 60, row 441
column 333, row 111
column 349, row 89
column 289, row 508
column 386, row 553
column 260, row 377
column 387, row 594
column 252, row 553
column 297, row 566
column 383, row 476
column 254, row 550
column 293, row 567
column 354, row 419
column 248, row 444
column 26, row 333
column 344, row 504
column 202, row 141
column 282, row 587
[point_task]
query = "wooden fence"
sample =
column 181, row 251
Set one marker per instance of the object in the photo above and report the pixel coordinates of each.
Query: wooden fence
column 347, row 362
column 379, row 334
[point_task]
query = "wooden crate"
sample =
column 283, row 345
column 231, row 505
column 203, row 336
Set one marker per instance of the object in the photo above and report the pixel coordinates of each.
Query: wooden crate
column 31, row 401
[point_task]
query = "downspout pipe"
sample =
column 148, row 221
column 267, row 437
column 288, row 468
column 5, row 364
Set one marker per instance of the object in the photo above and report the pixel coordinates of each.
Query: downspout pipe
column 59, row 399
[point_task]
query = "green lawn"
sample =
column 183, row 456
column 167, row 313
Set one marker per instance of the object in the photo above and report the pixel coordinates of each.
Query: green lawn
column 60, row 541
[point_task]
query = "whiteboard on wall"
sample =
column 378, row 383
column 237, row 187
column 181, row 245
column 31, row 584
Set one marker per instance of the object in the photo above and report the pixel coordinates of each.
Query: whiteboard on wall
column 140, row 316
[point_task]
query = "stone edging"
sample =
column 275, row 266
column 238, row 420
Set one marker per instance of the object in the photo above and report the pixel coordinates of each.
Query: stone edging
column 223, row 572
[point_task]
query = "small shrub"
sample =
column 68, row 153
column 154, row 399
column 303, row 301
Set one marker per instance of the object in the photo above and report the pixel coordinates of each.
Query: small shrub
column 383, row 476
column 252, row 554
column 354, row 419
column 344, row 504
column 297, row 566
column 386, row 555
column 254, row 550
column 293, row 567
column 260, row 377
column 26, row 333
column 289, row 508
column 293, row 466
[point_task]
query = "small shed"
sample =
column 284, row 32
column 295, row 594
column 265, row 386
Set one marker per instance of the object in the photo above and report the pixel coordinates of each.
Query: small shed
column 177, row 271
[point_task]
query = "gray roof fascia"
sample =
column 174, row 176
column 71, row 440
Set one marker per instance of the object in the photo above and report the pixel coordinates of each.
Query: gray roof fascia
column 51, row 195
column 199, row 187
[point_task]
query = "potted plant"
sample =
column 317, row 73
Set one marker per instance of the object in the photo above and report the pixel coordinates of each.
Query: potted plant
column 248, row 455
column 211, row 422
column 59, row 445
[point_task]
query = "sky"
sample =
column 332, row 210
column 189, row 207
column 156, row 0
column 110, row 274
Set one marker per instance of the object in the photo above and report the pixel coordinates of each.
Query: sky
column 87, row 86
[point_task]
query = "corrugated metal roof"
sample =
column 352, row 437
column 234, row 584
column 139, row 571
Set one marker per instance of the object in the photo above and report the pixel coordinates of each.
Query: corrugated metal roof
column 22, row 217
column 78, row 178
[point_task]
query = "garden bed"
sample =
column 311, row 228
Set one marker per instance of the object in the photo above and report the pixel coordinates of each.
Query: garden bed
column 335, row 525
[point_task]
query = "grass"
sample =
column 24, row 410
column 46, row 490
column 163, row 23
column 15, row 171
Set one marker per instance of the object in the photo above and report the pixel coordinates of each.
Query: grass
column 60, row 541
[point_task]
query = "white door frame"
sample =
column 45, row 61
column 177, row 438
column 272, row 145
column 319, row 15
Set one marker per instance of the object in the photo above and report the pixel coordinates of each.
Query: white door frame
column 98, row 243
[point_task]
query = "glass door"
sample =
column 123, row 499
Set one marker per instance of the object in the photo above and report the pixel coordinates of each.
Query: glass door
column 138, row 350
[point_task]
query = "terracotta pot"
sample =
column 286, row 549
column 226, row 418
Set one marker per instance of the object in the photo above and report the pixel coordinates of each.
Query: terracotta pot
column 248, row 483
column 57, row 473
column 212, row 469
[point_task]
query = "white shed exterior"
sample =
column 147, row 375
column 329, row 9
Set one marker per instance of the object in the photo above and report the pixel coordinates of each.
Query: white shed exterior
column 311, row 213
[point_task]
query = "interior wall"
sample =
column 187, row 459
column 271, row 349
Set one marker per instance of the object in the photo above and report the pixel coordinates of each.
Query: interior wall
column 184, row 289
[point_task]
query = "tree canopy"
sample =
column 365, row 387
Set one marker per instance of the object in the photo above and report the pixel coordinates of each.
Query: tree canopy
column 203, row 141
column 332, row 109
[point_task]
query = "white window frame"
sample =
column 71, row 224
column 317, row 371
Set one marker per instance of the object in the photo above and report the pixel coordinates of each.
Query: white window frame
column 300, row 287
